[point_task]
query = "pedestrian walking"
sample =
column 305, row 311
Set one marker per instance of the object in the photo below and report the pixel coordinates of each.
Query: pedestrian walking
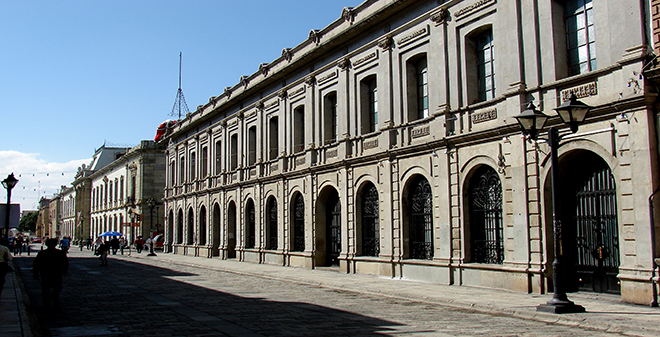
column 103, row 250
column 65, row 243
column 139, row 243
column 89, row 243
column 48, row 268
column 18, row 245
column 5, row 257
column 114, row 244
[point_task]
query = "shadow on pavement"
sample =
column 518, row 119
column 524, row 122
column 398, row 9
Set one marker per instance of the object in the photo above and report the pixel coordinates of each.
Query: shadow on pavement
column 134, row 299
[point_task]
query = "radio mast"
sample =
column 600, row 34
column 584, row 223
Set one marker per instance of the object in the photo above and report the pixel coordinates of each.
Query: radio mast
column 180, row 107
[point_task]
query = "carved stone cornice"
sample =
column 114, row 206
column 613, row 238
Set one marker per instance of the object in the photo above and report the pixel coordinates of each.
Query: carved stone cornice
column 286, row 54
column 228, row 92
column 347, row 14
column 343, row 63
column 440, row 16
column 311, row 80
column 263, row 69
column 282, row 94
column 314, row 36
column 259, row 105
column 244, row 81
column 386, row 43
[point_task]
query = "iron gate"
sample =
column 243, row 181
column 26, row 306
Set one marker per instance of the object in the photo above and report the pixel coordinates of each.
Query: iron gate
column 370, row 222
column 486, row 236
column 334, row 226
column 594, row 250
column 299, row 224
column 421, row 224
column 590, row 239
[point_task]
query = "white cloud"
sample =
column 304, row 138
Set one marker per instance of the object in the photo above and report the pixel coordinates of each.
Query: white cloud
column 36, row 177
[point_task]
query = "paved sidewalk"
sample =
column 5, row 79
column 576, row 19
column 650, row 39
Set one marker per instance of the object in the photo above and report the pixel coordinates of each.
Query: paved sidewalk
column 604, row 312
column 14, row 320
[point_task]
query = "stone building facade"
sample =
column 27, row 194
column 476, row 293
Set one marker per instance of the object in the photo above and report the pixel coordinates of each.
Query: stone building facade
column 67, row 212
column 43, row 219
column 120, row 190
column 386, row 143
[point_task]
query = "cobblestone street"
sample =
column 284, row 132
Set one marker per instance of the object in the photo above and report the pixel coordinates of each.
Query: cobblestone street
column 153, row 297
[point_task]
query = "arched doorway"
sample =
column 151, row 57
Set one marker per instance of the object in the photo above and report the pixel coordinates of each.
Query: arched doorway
column 368, row 231
column 215, row 236
column 590, row 231
column 231, row 231
column 179, row 227
column 298, row 237
column 250, row 224
column 485, row 217
column 418, row 220
column 202, row 226
column 328, row 228
column 190, row 235
column 271, row 228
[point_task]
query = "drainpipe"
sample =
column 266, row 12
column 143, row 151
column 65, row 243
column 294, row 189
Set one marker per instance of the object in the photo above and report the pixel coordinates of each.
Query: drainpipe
column 654, row 285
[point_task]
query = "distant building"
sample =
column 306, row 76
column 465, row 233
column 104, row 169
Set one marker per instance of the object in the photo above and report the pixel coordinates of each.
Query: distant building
column 120, row 192
column 43, row 226
column 386, row 143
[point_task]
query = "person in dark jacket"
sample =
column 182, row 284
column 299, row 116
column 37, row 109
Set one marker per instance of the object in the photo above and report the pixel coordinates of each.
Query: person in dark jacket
column 48, row 268
column 114, row 244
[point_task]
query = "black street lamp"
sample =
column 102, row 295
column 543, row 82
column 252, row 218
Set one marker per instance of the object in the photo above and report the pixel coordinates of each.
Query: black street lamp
column 9, row 184
column 573, row 113
column 151, row 203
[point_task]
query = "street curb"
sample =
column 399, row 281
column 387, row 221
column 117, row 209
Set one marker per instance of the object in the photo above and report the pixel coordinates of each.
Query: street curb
column 563, row 319
column 22, row 300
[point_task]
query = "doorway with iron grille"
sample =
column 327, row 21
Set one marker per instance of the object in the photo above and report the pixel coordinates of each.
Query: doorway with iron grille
column 589, row 217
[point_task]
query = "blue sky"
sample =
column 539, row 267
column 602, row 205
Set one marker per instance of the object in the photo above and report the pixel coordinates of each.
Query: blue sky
column 76, row 74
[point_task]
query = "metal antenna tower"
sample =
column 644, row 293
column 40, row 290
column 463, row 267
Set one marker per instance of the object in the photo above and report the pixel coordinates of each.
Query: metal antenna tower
column 180, row 106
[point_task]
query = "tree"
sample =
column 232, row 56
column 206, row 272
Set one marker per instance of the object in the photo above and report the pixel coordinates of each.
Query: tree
column 28, row 222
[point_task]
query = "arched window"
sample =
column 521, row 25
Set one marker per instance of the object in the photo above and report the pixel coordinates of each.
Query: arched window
column 370, row 221
column 271, row 213
column 421, row 219
column 179, row 228
column 250, row 225
column 191, row 227
column 485, row 221
column 202, row 226
column 298, row 223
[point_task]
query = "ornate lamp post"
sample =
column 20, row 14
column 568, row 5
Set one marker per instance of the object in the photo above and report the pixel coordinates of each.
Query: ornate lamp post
column 573, row 113
column 151, row 203
column 9, row 184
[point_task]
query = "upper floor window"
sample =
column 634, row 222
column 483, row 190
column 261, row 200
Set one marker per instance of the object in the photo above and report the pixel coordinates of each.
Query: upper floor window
column 298, row 129
column 205, row 162
column 233, row 160
column 182, row 170
column 369, row 104
column 121, row 188
column 193, row 162
column 273, row 139
column 485, row 65
column 330, row 118
column 580, row 36
column 218, row 157
column 418, row 88
column 172, row 173
column 252, row 145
